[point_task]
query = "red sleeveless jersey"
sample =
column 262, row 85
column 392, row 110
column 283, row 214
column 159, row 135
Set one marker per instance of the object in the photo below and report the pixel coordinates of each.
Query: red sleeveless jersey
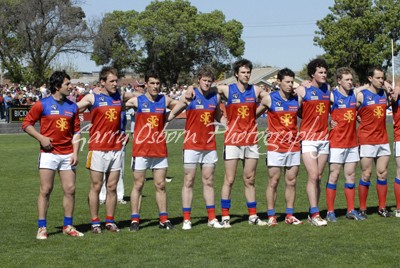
column 282, row 124
column 396, row 120
column 149, row 139
column 372, row 129
column 105, row 132
column 315, row 114
column 343, row 111
column 199, row 128
column 241, row 115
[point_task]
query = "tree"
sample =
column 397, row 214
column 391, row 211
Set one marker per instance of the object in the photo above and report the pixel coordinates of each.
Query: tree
column 169, row 36
column 358, row 34
column 35, row 32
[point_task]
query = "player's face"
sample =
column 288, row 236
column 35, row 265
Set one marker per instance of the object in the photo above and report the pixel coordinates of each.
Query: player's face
column 320, row 75
column 346, row 82
column 153, row 86
column 286, row 85
column 111, row 83
column 65, row 88
column 205, row 83
column 243, row 75
column 377, row 79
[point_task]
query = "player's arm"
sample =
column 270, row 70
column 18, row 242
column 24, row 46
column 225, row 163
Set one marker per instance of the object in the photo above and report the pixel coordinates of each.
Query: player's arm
column 129, row 95
column 264, row 105
column 219, row 113
column 300, row 92
column 178, row 107
column 76, row 139
column 86, row 102
column 28, row 123
column 132, row 103
column 223, row 91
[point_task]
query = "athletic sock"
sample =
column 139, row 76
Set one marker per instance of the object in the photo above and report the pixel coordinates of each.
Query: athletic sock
column 271, row 213
column 109, row 219
column 67, row 221
column 330, row 196
column 186, row 213
column 135, row 217
column 42, row 223
column 211, row 212
column 225, row 206
column 397, row 192
column 289, row 212
column 252, row 208
column 95, row 221
column 350, row 194
column 163, row 216
column 381, row 188
column 363, row 188
column 314, row 211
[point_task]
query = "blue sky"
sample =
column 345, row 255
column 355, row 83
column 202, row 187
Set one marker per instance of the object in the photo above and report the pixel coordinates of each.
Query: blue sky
column 276, row 32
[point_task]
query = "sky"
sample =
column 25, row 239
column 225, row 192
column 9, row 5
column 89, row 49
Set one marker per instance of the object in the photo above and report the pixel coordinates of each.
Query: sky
column 277, row 33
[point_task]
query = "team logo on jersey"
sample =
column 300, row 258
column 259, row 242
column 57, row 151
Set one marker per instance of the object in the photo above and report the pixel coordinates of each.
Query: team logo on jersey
column 243, row 111
column 205, row 118
column 286, row 119
column 314, row 93
column 145, row 104
column 378, row 112
column 340, row 101
column 153, row 121
column 349, row 116
column 62, row 124
column 369, row 98
column 320, row 108
column 111, row 115
column 53, row 107
column 101, row 98
column 278, row 103
column 198, row 101
column 235, row 96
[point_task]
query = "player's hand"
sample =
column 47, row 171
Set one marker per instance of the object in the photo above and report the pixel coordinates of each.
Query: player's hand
column 333, row 124
column 306, row 83
column 125, row 139
column 45, row 142
column 74, row 160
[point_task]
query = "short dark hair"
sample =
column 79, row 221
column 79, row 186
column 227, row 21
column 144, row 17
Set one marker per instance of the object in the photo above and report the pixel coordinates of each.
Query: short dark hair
column 105, row 71
column 241, row 63
column 151, row 73
column 285, row 72
column 57, row 79
column 206, row 71
column 372, row 69
column 314, row 64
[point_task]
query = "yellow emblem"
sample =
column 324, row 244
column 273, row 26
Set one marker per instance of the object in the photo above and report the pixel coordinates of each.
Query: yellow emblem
column 378, row 112
column 286, row 119
column 243, row 111
column 111, row 114
column 205, row 118
column 349, row 116
column 152, row 121
column 320, row 108
column 62, row 124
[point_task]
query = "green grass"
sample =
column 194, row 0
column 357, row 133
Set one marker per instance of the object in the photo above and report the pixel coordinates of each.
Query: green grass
column 372, row 243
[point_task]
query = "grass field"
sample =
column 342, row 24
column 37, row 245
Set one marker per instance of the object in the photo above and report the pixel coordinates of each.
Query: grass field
column 371, row 243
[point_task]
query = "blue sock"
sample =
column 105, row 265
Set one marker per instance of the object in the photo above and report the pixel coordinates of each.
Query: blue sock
column 42, row 223
column 271, row 212
column 349, row 185
column 314, row 210
column 331, row 186
column 67, row 221
column 225, row 203
column 290, row 211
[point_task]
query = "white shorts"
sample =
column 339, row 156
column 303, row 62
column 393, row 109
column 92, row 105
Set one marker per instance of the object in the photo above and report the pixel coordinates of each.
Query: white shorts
column 375, row 150
column 277, row 159
column 241, row 152
column 344, row 155
column 200, row 157
column 396, row 148
column 55, row 161
column 104, row 161
column 140, row 163
column 320, row 147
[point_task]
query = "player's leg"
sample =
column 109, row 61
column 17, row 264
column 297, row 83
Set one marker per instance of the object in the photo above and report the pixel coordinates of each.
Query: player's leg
column 382, row 163
column 207, row 172
column 350, row 190
column 159, row 176
column 187, row 194
column 112, row 178
column 365, row 181
column 96, row 182
column 334, row 172
column 274, row 174
column 291, row 173
column 46, row 187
